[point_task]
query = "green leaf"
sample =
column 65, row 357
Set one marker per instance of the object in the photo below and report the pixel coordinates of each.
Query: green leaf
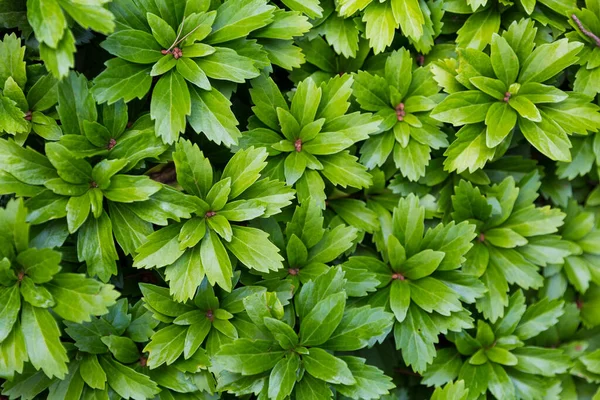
column 226, row 64
column 541, row 361
column 371, row 383
column 549, row 59
column 381, row 25
column 78, row 297
column 308, row 7
column 162, row 32
column 93, row 16
column 469, row 150
column 468, row 107
column 408, row 226
column 160, row 300
column 133, row 45
column 313, row 388
column 121, row 80
column 215, row 260
column 344, row 170
column 122, row 348
column 35, row 295
column 500, row 120
column 504, row 60
column 131, row 188
column 161, row 249
column 358, row 327
column 410, row 17
column 238, row 18
column 319, row 324
column 539, row 317
column 283, row 377
column 249, row 357
column 170, row 105
column 95, row 246
column 91, row 372
column 477, row 30
column 213, row 116
column 525, row 108
column 39, row 264
column 326, row 367
column 47, row 20
column 548, row 137
column 10, row 303
column 414, row 337
column 69, row 168
column 59, row 60
column 42, row 338
column 356, row 214
column 252, row 248
column 333, row 244
column 455, row 391
column 126, row 382
column 342, row 34
column 430, row 294
column 244, row 169
column 166, row 345
column 305, row 102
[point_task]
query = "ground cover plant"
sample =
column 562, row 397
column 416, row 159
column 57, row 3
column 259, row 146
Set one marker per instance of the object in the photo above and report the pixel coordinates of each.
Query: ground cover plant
column 299, row 199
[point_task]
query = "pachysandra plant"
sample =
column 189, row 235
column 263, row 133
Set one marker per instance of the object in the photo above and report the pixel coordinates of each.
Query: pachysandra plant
column 580, row 267
column 75, row 190
column 382, row 18
column 507, row 88
column 309, row 246
column 27, row 96
column 514, row 237
column 51, row 21
column 277, row 38
column 577, row 342
column 32, row 291
column 409, row 209
column 419, row 280
column 197, row 247
column 308, row 139
column 586, row 22
column 189, row 325
column 106, row 357
column 296, row 361
column 499, row 360
column 188, row 46
column 402, row 98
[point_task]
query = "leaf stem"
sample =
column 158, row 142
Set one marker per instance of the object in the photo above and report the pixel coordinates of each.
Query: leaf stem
column 587, row 33
column 183, row 38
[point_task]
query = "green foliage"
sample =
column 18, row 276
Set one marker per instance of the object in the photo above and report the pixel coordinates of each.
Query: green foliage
column 299, row 199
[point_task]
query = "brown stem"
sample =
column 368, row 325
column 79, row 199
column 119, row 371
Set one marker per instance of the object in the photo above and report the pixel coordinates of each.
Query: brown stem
column 587, row 33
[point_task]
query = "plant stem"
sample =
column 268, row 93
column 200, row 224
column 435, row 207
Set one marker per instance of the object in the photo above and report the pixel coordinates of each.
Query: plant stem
column 587, row 33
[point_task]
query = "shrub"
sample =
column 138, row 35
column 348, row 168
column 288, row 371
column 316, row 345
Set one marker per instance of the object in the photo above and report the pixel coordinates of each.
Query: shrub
column 299, row 199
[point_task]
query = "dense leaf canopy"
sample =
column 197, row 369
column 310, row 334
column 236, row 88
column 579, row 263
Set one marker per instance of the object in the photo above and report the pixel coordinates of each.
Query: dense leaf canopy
column 299, row 199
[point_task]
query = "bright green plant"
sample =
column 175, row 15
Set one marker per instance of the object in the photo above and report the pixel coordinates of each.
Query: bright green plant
column 185, row 46
column 419, row 280
column 295, row 359
column 197, row 247
column 506, row 89
column 307, row 140
column 498, row 360
column 514, row 238
column 402, row 98
column 408, row 211
column 32, row 286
